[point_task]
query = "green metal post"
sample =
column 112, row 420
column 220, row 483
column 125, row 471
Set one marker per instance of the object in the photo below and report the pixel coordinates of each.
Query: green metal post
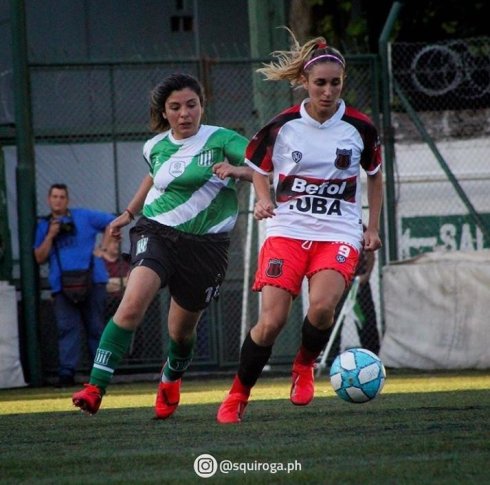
column 388, row 136
column 265, row 19
column 26, row 190
column 5, row 246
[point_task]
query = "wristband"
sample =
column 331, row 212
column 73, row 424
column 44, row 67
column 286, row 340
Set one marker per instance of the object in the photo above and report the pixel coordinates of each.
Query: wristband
column 131, row 215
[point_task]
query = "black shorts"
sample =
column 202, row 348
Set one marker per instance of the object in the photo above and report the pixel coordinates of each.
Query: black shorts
column 192, row 266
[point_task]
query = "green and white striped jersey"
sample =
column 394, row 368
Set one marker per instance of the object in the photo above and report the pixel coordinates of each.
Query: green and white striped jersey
column 186, row 194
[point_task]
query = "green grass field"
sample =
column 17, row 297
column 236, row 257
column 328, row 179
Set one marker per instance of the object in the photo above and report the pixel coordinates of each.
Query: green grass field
column 425, row 428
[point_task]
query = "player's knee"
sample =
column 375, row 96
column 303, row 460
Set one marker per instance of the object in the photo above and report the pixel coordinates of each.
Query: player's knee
column 321, row 312
column 129, row 314
column 266, row 332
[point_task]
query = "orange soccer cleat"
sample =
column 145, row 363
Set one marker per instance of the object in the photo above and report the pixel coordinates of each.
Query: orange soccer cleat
column 88, row 399
column 302, row 387
column 232, row 408
column 168, row 397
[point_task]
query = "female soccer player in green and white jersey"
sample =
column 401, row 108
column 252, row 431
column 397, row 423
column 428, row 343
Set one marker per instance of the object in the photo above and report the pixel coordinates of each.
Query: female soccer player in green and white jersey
column 189, row 205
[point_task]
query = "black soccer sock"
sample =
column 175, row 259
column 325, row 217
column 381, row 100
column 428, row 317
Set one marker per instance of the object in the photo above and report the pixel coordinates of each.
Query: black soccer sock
column 313, row 340
column 253, row 358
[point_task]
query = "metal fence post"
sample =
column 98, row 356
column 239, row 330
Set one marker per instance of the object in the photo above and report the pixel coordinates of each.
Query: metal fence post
column 5, row 244
column 26, row 189
column 389, row 139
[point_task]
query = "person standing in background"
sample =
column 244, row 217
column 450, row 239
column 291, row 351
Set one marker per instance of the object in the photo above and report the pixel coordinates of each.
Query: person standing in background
column 315, row 152
column 66, row 240
column 116, row 264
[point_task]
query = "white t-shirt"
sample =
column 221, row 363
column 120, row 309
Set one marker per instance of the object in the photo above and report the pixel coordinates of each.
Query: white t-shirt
column 316, row 169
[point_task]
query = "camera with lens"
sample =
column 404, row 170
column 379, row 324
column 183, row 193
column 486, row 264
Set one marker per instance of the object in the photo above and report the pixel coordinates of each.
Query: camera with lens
column 67, row 227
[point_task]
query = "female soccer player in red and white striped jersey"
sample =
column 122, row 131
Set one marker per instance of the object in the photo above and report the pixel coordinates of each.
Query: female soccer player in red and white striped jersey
column 314, row 152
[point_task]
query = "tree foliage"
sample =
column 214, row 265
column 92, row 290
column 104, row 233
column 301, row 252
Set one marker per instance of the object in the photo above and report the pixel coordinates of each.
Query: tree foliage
column 354, row 26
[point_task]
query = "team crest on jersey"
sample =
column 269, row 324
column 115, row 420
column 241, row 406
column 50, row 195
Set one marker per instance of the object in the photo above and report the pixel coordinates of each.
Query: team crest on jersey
column 343, row 160
column 274, row 270
column 176, row 168
column 205, row 158
column 296, row 156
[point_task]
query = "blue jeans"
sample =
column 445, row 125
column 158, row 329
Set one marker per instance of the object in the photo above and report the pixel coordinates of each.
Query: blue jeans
column 69, row 316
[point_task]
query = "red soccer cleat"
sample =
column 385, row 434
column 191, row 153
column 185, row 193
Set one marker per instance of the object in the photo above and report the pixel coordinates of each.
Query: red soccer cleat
column 168, row 397
column 88, row 399
column 232, row 408
column 302, row 387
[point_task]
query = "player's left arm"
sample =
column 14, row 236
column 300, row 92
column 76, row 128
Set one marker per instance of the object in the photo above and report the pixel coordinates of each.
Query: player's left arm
column 226, row 169
column 372, row 241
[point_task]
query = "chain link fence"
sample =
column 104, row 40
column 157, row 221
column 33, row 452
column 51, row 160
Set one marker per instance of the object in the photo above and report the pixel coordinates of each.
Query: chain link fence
column 90, row 122
column 441, row 117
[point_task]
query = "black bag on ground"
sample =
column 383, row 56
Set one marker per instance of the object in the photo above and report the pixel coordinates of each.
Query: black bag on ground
column 76, row 284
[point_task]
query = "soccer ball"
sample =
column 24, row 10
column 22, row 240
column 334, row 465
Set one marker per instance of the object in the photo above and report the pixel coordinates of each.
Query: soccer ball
column 357, row 375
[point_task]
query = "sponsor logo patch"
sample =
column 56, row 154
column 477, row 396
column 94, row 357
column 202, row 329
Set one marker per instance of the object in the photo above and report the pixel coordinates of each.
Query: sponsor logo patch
column 294, row 186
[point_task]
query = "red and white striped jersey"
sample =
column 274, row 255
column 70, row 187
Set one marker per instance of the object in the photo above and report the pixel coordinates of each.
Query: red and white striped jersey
column 316, row 169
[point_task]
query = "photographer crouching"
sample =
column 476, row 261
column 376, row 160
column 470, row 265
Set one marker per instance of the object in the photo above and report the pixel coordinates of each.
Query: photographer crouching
column 66, row 238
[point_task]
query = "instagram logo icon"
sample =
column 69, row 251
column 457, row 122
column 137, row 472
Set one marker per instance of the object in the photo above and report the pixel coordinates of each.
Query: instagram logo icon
column 205, row 465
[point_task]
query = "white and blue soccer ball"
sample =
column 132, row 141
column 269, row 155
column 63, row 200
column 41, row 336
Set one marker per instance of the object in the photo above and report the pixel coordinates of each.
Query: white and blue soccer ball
column 357, row 375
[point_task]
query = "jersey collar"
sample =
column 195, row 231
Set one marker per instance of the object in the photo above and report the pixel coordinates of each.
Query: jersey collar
column 311, row 121
column 183, row 140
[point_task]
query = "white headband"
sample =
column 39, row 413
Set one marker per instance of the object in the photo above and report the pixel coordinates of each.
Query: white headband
column 323, row 56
